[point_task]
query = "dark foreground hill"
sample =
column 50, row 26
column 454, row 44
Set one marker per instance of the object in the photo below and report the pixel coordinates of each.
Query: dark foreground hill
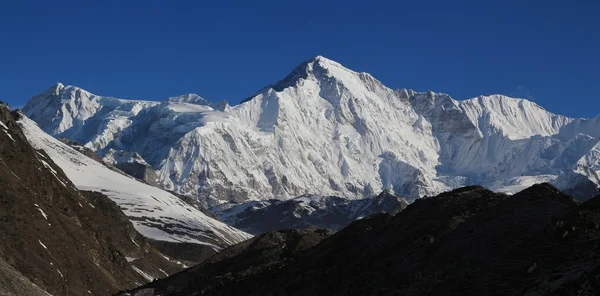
column 55, row 239
column 470, row 241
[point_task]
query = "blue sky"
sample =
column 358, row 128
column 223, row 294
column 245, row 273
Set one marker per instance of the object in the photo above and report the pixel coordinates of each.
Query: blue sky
column 548, row 51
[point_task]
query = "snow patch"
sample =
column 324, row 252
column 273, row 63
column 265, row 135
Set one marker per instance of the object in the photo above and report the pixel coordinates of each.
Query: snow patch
column 41, row 211
column 42, row 244
column 143, row 274
column 9, row 135
column 166, row 274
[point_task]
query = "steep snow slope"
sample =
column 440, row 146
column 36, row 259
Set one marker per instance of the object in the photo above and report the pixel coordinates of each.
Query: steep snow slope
column 328, row 130
column 155, row 213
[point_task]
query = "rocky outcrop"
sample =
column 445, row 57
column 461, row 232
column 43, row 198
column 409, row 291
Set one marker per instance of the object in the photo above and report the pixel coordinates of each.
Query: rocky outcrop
column 328, row 212
column 132, row 164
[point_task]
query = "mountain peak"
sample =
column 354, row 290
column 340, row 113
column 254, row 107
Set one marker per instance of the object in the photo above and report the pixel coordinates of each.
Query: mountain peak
column 313, row 66
column 55, row 89
column 326, row 63
column 316, row 66
column 323, row 59
column 189, row 98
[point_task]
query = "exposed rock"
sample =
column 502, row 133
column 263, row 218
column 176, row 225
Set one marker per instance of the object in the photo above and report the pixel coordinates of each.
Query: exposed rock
column 132, row 164
column 328, row 212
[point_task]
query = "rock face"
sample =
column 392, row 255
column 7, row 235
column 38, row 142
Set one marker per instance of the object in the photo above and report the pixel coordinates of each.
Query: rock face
column 466, row 242
column 156, row 214
column 328, row 130
column 328, row 212
column 132, row 164
column 58, row 240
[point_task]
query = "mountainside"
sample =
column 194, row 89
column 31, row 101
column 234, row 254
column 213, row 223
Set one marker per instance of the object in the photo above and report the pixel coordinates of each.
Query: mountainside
column 327, row 212
column 470, row 241
column 155, row 213
column 328, row 130
column 58, row 240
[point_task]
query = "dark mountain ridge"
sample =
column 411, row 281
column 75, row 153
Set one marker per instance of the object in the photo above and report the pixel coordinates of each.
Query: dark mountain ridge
column 469, row 241
column 60, row 240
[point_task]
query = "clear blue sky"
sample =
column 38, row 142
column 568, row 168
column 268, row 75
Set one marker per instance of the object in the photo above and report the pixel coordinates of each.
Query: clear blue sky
column 545, row 50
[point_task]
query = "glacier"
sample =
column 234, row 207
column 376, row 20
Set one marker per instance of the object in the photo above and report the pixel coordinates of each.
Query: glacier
column 327, row 130
column 155, row 213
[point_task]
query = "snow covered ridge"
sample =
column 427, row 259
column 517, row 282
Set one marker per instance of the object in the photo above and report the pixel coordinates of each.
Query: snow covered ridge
column 328, row 130
column 154, row 213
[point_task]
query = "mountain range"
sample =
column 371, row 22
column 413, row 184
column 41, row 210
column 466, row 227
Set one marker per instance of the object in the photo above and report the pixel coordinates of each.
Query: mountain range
column 327, row 130
column 326, row 182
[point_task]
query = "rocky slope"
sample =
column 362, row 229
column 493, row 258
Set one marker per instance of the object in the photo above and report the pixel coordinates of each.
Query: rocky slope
column 327, row 212
column 55, row 239
column 156, row 214
column 466, row 242
column 328, row 130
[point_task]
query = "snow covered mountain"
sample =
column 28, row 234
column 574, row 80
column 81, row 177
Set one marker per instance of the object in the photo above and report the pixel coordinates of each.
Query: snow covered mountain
column 328, row 130
column 155, row 213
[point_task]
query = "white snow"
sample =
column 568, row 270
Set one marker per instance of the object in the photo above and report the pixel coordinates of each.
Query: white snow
column 328, row 131
column 155, row 213
column 9, row 135
column 3, row 125
column 42, row 244
column 164, row 272
column 41, row 211
column 142, row 273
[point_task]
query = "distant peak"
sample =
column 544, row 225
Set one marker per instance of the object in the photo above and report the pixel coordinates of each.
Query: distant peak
column 56, row 88
column 322, row 58
column 189, row 98
column 324, row 62
column 316, row 66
